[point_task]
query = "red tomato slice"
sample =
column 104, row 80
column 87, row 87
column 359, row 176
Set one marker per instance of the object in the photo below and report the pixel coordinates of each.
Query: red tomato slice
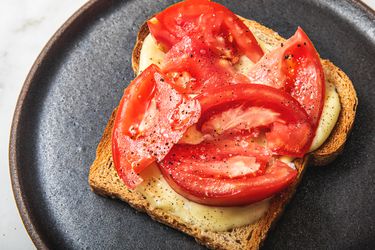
column 195, row 68
column 217, row 26
column 227, row 191
column 221, row 158
column 151, row 118
column 295, row 67
column 287, row 126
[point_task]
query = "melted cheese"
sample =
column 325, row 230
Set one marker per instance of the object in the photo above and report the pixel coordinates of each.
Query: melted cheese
column 161, row 196
column 330, row 114
column 243, row 65
column 150, row 54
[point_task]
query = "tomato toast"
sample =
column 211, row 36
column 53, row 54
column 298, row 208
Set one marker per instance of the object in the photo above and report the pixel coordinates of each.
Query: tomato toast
column 104, row 179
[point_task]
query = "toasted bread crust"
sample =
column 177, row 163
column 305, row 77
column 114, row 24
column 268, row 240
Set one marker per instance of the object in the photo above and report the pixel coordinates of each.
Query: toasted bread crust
column 104, row 180
column 142, row 33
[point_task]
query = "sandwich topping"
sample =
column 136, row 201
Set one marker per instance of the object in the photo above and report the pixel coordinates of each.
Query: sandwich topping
column 151, row 118
column 218, row 134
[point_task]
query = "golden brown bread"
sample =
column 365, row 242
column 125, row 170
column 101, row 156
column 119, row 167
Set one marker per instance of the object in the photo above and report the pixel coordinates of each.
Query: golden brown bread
column 104, row 180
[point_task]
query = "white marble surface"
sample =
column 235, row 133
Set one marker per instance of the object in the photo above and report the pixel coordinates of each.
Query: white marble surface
column 25, row 27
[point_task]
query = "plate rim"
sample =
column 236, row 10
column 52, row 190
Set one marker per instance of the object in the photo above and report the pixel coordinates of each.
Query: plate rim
column 14, row 168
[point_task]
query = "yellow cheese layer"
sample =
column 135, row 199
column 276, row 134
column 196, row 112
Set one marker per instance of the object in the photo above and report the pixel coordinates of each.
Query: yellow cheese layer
column 161, row 196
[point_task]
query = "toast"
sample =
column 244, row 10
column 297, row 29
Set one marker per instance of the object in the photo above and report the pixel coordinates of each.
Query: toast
column 103, row 178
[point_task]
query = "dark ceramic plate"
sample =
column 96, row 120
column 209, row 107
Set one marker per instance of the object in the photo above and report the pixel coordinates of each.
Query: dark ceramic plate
column 77, row 81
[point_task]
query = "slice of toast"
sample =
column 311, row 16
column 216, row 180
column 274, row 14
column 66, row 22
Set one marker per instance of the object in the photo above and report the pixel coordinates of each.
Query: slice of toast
column 104, row 180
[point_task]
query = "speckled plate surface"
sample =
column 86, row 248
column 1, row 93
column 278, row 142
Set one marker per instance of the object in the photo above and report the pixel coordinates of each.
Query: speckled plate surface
column 77, row 81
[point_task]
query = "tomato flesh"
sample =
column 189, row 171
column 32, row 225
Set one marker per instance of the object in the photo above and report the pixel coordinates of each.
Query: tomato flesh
column 210, row 22
column 151, row 118
column 239, row 118
column 295, row 68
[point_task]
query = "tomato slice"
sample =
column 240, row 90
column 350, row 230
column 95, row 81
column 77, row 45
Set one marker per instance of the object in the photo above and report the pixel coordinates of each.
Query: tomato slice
column 220, row 191
column 244, row 128
column 151, row 118
column 195, row 68
column 296, row 68
column 247, row 107
column 217, row 26
column 221, row 158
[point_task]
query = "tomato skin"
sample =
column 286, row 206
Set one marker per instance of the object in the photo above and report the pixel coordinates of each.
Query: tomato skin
column 150, row 119
column 208, row 21
column 295, row 67
column 230, row 192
